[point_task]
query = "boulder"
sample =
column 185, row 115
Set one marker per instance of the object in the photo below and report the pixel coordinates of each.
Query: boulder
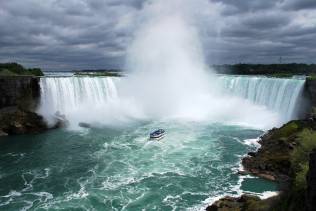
column 20, row 122
column 252, row 154
column 61, row 120
column 84, row 124
column 2, row 133
column 243, row 203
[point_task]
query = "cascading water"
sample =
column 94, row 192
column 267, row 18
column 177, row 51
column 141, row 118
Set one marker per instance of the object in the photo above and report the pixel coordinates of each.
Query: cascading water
column 98, row 99
column 277, row 94
column 87, row 99
column 66, row 94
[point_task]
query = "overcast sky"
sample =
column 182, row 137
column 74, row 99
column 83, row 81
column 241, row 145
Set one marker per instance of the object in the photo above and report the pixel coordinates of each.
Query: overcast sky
column 79, row 34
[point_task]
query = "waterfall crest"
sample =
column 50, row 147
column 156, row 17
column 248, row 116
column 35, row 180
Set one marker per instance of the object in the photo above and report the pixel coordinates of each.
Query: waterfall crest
column 99, row 99
column 65, row 94
column 84, row 99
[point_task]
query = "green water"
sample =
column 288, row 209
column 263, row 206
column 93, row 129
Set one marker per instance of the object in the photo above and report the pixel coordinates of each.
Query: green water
column 119, row 169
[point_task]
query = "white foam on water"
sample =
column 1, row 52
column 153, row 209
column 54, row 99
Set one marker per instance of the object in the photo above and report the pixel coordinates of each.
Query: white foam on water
column 252, row 142
column 12, row 193
column 263, row 195
column 268, row 194
column 237, row 188
column 29, row 205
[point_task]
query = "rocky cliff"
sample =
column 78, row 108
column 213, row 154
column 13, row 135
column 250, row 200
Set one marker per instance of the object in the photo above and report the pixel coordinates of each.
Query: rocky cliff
column 311, row 183
column 19, row 96
column 19, row 91
column 286, row 156
column 310, row 90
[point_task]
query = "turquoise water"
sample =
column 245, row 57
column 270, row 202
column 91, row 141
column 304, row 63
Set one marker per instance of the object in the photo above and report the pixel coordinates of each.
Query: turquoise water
column 119, row 169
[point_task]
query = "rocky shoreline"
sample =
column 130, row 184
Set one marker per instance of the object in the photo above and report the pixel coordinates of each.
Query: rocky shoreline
column 283, row 157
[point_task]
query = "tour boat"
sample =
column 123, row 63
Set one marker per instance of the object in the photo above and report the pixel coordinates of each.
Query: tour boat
column 157, row 134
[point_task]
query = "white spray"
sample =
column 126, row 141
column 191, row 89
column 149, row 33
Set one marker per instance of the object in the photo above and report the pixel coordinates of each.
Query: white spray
column 168, row 76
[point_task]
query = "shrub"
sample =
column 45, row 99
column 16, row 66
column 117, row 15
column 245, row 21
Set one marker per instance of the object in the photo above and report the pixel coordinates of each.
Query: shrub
column 13, row 69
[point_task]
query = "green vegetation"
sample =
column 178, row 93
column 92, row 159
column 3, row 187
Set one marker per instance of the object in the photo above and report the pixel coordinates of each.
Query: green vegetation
column 304, row 141
column 254, row 203
column 311, row 77
column 300, row 157
column 286, row 130
column 281, row 75
column 274, row 70
column 285, row 154
column 5, row 72
column 36, row 71
column 15, row 69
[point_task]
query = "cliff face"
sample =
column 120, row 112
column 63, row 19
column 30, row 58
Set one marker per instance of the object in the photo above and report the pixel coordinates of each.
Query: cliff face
column 310, row 87
column 311, row 183
column 19, row 91
column 19, row 97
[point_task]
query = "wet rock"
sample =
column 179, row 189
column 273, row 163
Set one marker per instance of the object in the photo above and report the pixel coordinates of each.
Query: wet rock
column 242, row 172
column 3, row 133
column 61, row 120
column 252, row 154
column 273, row 160
column 268, row 176
column 242, row 203
column 20, row 122
column 226, row 203
column 84, row 125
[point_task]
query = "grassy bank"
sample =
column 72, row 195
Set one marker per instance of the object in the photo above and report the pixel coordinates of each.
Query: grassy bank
column 15, row 69
column 304, row 140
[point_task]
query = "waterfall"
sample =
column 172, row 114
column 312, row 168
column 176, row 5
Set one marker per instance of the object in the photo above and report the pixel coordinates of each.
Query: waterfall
column 277, row 94
column 87, row 99
column 65, row 94
column 98, row 99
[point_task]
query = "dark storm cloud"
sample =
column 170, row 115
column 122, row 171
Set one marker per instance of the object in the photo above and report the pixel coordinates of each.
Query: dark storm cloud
column 57, row 34
column 243, row 6
column 74, row 33
column 263, row 31
column 299, row 5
